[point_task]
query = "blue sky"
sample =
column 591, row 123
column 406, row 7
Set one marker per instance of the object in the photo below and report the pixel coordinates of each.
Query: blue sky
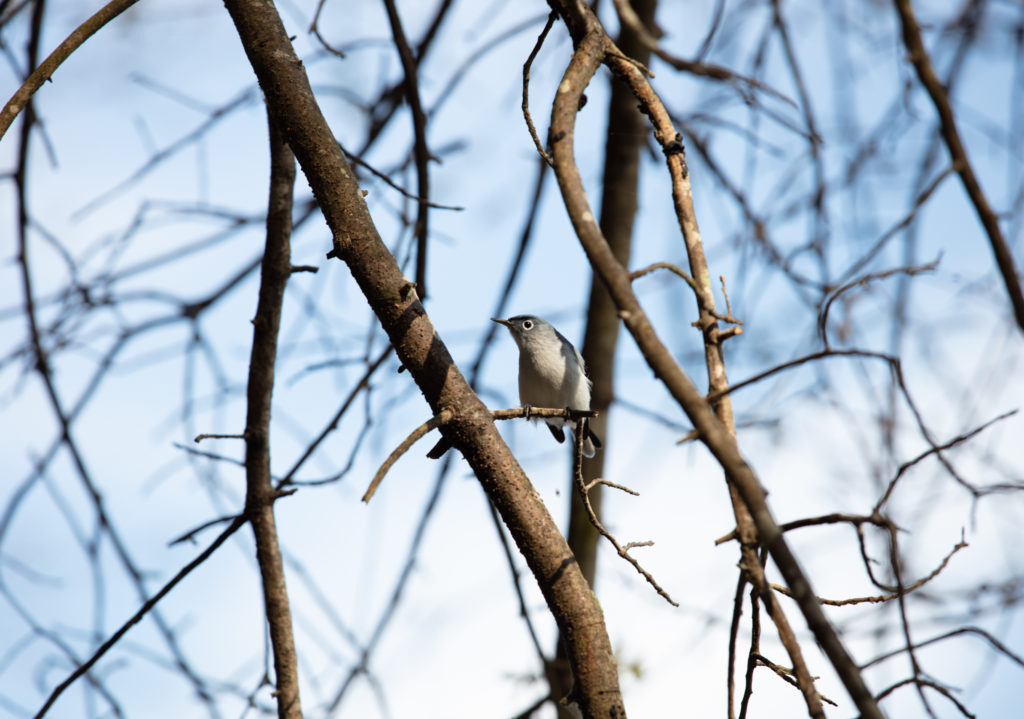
column 456, row 646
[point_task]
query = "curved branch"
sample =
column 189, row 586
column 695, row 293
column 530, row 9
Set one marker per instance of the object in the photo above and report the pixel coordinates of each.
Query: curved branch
column 19, row 100
column 592, row 47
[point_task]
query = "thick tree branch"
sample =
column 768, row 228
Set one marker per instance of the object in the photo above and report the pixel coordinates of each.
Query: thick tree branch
column 592, row 47
column 394, row 301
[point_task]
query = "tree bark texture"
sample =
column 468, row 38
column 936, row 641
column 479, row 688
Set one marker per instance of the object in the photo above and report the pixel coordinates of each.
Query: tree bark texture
column 260, row 492
column 393, row 299
column 593, row 47
column 626, row 133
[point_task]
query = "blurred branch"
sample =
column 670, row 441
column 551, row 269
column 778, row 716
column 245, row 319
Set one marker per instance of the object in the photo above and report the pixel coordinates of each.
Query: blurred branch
column 332, row 425
column 391, row 183
column 420, row 150
column 813, row 357
column 918, row 56
column 920, row 683
column 630, row 19
column 863, row 282
column 161, row 156
column 877, row 599
column 976, row 631
column 42, row 365
column 148, row 606
column 936, row 449
column 552, row 16
column 362, row 664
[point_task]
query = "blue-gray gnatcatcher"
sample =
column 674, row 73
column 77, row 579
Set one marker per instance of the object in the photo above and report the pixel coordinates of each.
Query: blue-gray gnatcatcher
column 551, row 374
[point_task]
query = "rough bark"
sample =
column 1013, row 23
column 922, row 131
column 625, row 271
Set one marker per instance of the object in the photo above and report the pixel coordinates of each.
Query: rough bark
column 626, row 133
column 260, row 492
column 592, row 47
column 395, row 303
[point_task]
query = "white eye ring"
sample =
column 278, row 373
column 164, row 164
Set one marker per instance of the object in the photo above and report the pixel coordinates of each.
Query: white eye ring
column 527, row 324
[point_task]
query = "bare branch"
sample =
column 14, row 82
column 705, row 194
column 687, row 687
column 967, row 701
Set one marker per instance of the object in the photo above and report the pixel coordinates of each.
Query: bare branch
column 45, row 71
column 424, row 355
column 918, row 56
column 145, row 609
column 420, row 150
column 407, row 443
column 260, row 493
column 592, row 46
column 552, row 16
column 582, row 489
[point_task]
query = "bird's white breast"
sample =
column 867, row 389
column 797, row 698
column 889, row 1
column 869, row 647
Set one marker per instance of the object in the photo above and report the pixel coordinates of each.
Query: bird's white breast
column 553, row 379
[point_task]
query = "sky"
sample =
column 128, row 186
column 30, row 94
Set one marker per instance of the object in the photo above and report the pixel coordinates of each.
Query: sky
column 456, row 646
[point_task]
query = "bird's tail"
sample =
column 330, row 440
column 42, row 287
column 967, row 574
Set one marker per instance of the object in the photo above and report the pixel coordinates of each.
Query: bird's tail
column 591, row 442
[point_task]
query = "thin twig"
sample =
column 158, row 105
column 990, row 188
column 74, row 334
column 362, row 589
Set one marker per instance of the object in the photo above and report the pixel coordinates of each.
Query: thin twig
column 420, row 149
column 47, row 67
column 582, row 491
column 394, row 185
column 332, row 425
column 147, row 606
column 999, row 646
column 407, row 443
column 937, row 450
column 628, row 17
column 863, row 282
column 878, row 599
column 636, row 274
column 200, row 437
column 526, row 87
column 787, row 674
column 446, row 416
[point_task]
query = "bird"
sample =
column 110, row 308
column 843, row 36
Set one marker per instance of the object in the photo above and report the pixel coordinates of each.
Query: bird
column 551, row 374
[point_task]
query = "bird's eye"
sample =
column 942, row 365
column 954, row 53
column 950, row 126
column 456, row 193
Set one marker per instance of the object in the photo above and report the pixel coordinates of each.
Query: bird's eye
column 527, row 324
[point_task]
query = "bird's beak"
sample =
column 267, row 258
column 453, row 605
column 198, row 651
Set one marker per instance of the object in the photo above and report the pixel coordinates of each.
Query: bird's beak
column 502, row 322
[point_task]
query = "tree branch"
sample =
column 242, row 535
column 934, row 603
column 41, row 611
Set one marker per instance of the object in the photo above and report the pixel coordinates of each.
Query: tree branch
column 421, row 351
column 19, row 100
column 592, row 47
column 918, row 56
column 260, row 493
